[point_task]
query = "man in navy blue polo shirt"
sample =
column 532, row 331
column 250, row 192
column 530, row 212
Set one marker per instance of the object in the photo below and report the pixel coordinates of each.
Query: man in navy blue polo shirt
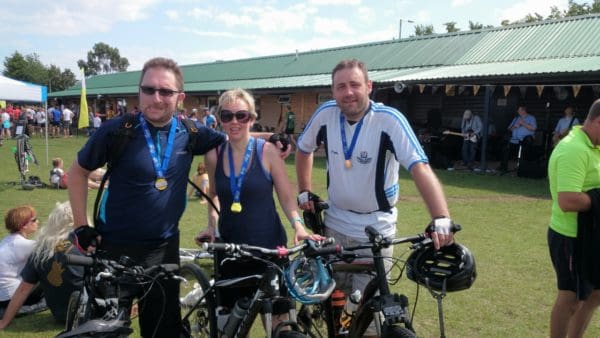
column 147, row 194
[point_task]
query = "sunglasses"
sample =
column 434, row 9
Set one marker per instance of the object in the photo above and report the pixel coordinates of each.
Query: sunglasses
column 164, row 92
column 31, row 220
column 242, row 116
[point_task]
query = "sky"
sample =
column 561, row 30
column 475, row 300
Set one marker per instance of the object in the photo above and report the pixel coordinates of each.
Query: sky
column 61, row 32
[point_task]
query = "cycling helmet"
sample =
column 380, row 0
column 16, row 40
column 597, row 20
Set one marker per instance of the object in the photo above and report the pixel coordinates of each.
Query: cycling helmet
column 453, row 264
column 307, row 280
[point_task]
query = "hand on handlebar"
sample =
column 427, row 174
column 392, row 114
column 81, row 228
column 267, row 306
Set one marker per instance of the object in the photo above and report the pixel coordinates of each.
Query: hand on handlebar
column 302, row 234
column 204, row 236
column 442, row 231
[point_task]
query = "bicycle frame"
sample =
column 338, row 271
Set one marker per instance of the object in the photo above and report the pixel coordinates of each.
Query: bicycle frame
column 393, row 307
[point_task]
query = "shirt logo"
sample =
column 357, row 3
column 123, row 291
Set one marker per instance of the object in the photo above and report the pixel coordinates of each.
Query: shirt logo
column 363, row 158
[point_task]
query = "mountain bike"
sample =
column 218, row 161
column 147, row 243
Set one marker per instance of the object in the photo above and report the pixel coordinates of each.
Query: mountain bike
column 451, row 268
column 204, row 317
column 95, row 311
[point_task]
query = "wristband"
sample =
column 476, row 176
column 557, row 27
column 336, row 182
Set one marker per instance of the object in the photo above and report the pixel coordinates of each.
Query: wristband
column 296, row 219
column 303, row 197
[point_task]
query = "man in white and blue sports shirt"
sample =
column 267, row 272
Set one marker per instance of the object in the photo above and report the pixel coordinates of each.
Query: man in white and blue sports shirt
column 365, row 144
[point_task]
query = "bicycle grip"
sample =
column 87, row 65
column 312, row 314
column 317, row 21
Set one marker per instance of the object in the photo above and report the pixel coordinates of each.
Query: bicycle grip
column 79, row 260
column 218, row 247
column 163, row 267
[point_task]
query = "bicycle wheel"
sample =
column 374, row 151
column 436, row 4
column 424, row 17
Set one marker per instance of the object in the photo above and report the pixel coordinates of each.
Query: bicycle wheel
column 312, row 321
column 200, row 321
column 79, row 310
column 396, row 331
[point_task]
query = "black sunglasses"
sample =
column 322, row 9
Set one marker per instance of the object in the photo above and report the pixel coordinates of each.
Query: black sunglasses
column 242, row 116
column 164, row 92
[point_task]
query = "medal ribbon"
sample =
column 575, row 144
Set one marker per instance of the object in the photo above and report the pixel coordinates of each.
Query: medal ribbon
column 235, row 183
column 159, row 168
column 348, row 151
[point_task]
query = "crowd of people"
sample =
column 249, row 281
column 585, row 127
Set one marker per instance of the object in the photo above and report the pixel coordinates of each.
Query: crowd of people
column 366, row 144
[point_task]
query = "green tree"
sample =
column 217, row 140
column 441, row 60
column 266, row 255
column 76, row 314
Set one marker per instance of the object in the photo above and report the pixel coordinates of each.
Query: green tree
column 451, row 27
column 421, row 30
column 59, row 80
column 27, row 68
column 103, row 59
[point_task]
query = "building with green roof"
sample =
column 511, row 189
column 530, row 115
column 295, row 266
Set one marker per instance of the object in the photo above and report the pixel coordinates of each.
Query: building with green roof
column 545, row 65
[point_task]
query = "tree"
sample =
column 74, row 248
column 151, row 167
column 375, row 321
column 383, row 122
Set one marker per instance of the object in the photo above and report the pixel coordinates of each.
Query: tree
column 59, row 80
column 29, row 68
column 451, row 27
column 103, row 59
column 421, row 30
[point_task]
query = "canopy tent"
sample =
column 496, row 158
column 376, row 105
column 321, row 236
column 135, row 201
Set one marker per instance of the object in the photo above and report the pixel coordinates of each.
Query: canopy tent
column 13, row 90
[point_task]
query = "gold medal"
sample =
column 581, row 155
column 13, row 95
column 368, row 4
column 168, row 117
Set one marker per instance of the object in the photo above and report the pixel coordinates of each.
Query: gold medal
column 161, row 183
column 236, row 207
column 348, row 164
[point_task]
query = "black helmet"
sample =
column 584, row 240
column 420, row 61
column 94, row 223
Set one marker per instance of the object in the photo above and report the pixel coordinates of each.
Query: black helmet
column 453, row 263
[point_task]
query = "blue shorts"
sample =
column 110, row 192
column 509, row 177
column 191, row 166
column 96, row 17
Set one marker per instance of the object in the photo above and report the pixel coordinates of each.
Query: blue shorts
column 562, row 254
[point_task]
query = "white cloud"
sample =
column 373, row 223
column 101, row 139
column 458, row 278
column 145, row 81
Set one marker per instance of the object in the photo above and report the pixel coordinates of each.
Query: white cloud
column 329, row 26
column 200, row 13
column 460, row 3
column 172, row 14
column 366, row 14
column 70, row 17
column 521, row 9
column 335, row 2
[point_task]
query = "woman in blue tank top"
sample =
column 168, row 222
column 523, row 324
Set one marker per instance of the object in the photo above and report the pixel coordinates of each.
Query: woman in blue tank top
column 242, row 174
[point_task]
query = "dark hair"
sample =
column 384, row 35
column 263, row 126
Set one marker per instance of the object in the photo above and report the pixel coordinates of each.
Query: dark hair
column 167, row 64
column 594, row 110
column 350, row 63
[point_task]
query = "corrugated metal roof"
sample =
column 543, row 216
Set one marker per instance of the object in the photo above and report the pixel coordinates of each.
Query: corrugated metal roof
column 569, row 45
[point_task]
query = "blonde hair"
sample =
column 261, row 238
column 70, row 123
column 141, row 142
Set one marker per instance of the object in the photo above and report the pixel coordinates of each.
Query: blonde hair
column 233, row 95
column 53, row 233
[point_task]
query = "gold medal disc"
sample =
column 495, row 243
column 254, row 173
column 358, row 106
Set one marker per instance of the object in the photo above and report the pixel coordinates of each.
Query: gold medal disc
column 348, row 164
column 160, row 183
column 236, row 207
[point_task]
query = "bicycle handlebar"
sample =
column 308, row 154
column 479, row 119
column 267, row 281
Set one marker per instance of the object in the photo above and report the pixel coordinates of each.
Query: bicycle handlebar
column 309, row 247
column 116, row 266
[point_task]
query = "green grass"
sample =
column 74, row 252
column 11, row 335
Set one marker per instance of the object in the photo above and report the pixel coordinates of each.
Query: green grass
column 504, row 220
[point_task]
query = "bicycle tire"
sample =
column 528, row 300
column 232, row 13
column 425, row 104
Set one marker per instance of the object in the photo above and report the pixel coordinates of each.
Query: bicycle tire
column 396, row 331
column 291, row 334
column 312, row 322
column 72, row 307
column 202, row 322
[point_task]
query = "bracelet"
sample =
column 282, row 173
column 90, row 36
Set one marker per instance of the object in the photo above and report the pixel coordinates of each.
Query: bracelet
column 296, row 219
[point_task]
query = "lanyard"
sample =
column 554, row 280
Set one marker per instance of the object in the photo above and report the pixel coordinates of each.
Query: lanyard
column 348, row 151
column 235, row 183
column 159, row 167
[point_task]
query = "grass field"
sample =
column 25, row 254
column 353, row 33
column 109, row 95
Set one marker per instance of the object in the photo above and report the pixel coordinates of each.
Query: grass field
column 504, row 220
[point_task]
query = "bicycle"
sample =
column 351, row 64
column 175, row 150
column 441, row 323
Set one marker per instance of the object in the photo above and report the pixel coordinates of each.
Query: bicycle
column 203, row 317
column 95, row 311
column 451, row 268
column 23, row 155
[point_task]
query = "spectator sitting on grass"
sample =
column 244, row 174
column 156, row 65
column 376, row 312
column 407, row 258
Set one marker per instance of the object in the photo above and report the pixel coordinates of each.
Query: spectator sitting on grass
column 15, row 249
column 46, row 269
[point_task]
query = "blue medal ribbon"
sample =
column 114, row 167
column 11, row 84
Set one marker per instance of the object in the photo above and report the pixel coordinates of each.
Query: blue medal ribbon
column 235, row 182
column 348, row 151
column 160, row 167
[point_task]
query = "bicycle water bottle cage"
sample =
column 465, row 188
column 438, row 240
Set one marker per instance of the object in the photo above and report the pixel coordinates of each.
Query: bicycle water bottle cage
column 452, row 265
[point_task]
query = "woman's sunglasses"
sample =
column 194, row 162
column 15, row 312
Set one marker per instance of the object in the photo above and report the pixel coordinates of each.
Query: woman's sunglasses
column 242, row 116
